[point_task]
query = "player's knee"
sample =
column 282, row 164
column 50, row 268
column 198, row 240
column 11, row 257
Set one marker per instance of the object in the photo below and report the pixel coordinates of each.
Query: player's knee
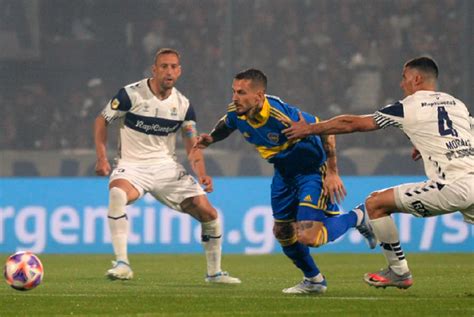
column 285, row 233
column 117, row 201
column 314, row 236
column 200, row 208
column 373, row 206
column 305, row 238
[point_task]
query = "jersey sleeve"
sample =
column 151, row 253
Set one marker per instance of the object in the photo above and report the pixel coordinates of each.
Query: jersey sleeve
column 118, row 106
column 189, row 124
column 190, row 114
column 390, row 116
column 230, row 118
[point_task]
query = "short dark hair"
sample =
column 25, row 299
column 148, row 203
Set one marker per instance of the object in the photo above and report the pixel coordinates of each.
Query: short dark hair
column 424, row 64
column 163, row 51
column 255, row 75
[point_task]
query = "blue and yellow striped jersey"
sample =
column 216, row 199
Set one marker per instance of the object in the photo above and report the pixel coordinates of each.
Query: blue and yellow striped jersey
column 293, row 156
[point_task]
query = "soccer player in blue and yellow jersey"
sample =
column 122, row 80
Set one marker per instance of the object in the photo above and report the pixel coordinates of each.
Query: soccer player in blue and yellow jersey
column 306, row 186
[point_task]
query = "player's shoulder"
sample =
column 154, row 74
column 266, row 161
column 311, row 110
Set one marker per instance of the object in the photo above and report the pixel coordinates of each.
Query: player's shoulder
column 276, row 101
column 175, row 91
column 231, row 108
column 277, row 105
column 137, row 86
column 424, row 98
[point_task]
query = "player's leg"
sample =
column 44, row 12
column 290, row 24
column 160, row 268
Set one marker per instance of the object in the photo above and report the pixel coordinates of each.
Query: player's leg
column 121, row 192
column 379, row 207
column 424, row 199
column 200, row 208
column 320, row 221
column 299, row 254
column 284, row 206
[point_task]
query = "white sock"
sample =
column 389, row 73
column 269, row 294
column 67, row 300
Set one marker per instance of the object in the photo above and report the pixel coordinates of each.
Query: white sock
column 118, row 223
column 360, row 215
column 386, row 232
column 316, row 279
column 212, row 241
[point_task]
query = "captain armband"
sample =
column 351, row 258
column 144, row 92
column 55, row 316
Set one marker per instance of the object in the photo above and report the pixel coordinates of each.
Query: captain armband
column 189, row 129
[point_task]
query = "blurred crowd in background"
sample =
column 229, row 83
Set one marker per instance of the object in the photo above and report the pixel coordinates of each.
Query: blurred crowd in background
column 326, row 56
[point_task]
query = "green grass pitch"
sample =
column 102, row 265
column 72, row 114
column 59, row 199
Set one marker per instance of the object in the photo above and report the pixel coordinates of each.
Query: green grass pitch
column 173, row 285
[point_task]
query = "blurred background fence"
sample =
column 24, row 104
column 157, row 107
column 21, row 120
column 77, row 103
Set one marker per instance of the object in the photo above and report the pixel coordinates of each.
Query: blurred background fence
column 61, row 61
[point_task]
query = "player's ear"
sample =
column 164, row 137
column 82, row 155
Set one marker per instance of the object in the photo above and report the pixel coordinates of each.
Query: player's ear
column 179, row 70
column 261, row 95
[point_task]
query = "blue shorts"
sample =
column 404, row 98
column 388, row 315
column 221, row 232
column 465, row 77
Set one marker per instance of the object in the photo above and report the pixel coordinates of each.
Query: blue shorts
column 300, row 198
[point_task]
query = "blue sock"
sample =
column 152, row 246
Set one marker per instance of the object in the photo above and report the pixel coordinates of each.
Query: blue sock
column 301, row 257
column 337, row 226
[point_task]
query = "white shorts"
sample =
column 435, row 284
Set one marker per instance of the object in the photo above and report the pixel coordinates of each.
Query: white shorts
column 426, row 199
column 168, row 182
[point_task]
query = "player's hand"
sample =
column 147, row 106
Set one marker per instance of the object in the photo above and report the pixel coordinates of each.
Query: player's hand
column 334, row 188
column 102, row 167
column 297, row 130
column 203, row 141
column 415, row 154
column 206, row 181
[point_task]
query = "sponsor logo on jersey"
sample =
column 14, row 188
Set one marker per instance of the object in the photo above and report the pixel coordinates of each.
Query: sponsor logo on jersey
column 156, row 127
column 439, row 103
column 421, row 209
column 151, row 125
column 307, row 198
column 115, row 104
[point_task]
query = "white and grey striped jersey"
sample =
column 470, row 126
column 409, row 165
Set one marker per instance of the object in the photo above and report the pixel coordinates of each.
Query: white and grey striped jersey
column 148, row 125
column 438, row 125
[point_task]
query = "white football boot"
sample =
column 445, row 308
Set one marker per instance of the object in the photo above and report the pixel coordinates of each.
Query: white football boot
column 120, row 271
column 222, row 278
column 307, row 287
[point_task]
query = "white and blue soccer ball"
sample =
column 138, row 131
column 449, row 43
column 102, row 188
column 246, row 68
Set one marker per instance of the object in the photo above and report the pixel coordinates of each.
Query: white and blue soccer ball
column 23, row 271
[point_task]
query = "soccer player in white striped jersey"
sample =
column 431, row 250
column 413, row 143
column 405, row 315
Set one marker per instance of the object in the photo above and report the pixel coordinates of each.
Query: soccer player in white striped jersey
column 439, row 126
column 151, row 112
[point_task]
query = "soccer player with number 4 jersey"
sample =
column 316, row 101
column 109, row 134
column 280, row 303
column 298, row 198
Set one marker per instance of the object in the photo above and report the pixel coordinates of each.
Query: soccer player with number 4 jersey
column 439, row 126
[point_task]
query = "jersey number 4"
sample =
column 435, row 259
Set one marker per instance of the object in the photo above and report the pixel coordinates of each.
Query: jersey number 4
column 445, row 125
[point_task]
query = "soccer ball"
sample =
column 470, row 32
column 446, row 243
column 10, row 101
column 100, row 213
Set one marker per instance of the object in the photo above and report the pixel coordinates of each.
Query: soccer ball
column 23, row 271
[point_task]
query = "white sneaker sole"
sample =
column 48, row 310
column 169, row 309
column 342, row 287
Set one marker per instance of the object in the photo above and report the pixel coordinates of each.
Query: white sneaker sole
column 115, row 276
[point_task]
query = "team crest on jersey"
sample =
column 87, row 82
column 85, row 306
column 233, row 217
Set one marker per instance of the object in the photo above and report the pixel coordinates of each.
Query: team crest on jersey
column 115, row 104
column 174, row 111
column 274, row 137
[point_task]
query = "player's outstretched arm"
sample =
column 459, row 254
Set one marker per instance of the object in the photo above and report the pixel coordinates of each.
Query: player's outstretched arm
column 220, row 132
column 332, row 185
column 336, row 125
column 102, row 166
column 203, row 141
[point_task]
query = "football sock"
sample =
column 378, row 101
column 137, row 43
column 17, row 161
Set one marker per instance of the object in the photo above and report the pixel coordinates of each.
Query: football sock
column 359, row 213
column 386, row 232
column 299, row 254
column 118, row 223
column 316, row 279
column 211, row 238
column 337, row 226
